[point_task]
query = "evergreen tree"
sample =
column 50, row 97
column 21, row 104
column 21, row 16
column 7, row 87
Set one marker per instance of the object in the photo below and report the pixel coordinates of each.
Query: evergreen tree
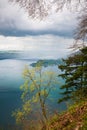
column 75, row 75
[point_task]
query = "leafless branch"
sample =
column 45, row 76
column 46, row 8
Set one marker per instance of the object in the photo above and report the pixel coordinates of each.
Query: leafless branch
column 41, row 8
column 82, row 26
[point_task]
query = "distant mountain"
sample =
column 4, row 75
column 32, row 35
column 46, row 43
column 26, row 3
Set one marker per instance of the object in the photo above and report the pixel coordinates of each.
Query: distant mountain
column 46, row 63
column 20, row 55
column 23, row 55
column 9, row 55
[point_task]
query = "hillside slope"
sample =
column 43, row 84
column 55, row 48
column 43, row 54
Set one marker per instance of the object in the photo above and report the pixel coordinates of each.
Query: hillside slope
column 75, row 118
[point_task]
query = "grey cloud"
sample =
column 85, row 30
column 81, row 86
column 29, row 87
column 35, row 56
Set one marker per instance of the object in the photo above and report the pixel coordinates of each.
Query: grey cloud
column 15, row 22
column 20, row 33
column 47, row 46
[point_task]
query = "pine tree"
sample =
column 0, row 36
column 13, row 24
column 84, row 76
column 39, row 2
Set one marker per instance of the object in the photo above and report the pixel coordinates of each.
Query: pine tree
column 75, row 75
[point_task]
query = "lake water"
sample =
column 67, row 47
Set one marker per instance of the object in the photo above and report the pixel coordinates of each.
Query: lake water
column 10, row 82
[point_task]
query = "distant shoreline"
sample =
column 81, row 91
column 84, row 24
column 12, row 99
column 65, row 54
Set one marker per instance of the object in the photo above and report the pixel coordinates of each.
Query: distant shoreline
column 46, row 62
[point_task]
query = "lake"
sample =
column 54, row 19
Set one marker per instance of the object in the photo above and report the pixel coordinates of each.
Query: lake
column 10, row 81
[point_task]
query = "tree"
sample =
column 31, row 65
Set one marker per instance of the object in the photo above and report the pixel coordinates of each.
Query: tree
column 81, row 33
column 75, row 76
column 35, row 92
column 42, row 8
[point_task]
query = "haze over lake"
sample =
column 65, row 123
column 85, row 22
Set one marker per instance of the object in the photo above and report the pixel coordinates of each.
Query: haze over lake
column 10, row 81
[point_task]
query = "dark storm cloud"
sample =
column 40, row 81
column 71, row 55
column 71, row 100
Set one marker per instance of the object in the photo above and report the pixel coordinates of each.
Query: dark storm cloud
column 19, row 33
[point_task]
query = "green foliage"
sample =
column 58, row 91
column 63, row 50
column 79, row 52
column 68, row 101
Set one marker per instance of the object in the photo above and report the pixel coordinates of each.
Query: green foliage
column 35, row 91
column 46, row 63
column 75, row 74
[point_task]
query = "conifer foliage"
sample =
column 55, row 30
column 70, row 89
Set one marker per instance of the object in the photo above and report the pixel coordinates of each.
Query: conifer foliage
column 74, row 70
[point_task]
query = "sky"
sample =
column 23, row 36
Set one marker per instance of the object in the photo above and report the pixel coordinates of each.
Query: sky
column 49, row 38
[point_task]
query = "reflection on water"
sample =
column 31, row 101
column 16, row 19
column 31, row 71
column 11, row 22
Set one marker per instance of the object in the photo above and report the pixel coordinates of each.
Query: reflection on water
column 11, row 73
column 10, row 81
column 9, row 101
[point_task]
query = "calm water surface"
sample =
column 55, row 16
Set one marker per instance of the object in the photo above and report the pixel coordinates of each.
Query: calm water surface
column 10, row 82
